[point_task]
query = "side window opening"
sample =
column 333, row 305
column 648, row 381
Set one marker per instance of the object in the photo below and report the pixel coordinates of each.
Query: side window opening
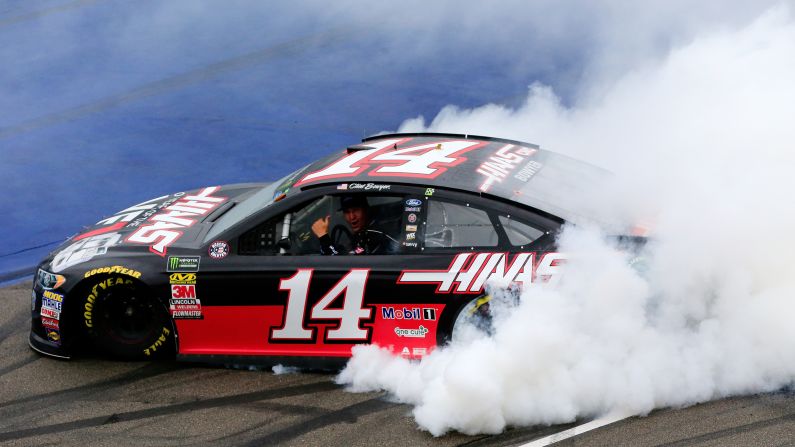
column 451, row 225
column 261, row 240
column 384, row 216
column 519, row 233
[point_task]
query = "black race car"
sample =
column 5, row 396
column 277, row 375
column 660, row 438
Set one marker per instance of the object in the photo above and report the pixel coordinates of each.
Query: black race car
column 388, row 242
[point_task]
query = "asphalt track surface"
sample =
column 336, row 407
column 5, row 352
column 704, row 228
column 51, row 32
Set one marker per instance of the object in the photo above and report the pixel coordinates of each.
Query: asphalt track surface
column 98, row 401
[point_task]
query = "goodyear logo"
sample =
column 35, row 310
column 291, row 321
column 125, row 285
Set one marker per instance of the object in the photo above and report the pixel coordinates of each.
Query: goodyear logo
column 182, row 278
column 92, row 297
column 114, row 269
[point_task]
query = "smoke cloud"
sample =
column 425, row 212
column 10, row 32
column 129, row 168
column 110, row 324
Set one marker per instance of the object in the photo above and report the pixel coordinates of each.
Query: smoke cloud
column 701, row 143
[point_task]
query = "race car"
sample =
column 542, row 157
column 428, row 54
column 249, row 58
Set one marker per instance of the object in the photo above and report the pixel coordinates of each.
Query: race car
column 390, row 242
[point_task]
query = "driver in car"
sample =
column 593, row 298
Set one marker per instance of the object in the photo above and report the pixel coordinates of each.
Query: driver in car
column 366, row 240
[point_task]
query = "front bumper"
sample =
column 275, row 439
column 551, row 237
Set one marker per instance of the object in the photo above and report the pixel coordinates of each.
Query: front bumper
column 46, row 336
column 47, row 348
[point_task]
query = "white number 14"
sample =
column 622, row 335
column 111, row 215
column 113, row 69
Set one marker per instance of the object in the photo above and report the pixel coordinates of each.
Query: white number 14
column 349, row 316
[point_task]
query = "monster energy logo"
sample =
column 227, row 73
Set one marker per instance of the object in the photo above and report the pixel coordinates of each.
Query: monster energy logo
column 183, row 264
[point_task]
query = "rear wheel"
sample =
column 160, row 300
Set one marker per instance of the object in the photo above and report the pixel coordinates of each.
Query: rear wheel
column 122, row 318
column 471, row 321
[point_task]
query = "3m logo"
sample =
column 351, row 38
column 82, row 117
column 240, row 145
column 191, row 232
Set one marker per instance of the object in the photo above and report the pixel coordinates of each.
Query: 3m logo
column 182, row 278
column 183, row 291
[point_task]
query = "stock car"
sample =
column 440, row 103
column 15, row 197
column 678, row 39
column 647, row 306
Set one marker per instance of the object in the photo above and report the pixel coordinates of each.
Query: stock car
column 235, row 274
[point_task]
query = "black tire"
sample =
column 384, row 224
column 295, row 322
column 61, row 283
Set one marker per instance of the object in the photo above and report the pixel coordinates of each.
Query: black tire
column 123, row 319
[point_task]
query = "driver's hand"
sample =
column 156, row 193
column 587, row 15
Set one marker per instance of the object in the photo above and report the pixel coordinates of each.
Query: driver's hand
column 320, row 227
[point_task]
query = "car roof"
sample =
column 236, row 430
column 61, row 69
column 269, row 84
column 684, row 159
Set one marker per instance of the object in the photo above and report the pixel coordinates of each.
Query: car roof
column 507, row 169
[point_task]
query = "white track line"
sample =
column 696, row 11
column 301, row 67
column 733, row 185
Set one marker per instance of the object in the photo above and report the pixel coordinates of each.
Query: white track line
column 578, row 430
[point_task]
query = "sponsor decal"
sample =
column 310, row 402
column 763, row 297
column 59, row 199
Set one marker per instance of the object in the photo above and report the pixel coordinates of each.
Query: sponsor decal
column 50, row 323
column 54, row 336
column 166, row 226
column 411, row 228
column 183, row 264
column 185, row 291
column 50, row 295
column 412, row 218
column 419, row 352
column 342, row 186
column 132, row 216
column 369, row 187
column 84, row 250
column 280, row 195
column 411, row 236
column 51, row 305
column 159, row 342
column 528, row 171
column 115, row 269
column 405, row 352
column 182, row 278
column 469, row 272
column 50, row 313
column 413, row 202
column 218, row 250
column 413, row 209
column 497, row 167
column 88, row 306
column 410, row 244
column 408, row 313
column 419, row 332
column 183, row 303
column 182, row 314
column 429, row 191
column 424, row 161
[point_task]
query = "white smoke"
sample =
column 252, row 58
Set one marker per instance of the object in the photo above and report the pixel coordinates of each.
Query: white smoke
column 702, row 143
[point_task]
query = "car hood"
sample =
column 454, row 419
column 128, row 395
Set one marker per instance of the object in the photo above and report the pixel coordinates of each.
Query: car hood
column 154, row 225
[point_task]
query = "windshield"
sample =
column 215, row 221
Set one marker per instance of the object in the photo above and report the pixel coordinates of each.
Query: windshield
column 257, row 201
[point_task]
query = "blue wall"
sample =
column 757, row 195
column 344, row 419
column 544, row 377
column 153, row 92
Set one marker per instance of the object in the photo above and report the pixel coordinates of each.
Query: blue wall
column 107, row 103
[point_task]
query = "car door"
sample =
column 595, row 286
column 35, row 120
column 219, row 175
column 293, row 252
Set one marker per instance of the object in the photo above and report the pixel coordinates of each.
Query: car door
column 275, row 294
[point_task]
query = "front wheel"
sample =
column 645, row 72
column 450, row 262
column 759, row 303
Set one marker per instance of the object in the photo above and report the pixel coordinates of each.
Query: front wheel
column 123, row 319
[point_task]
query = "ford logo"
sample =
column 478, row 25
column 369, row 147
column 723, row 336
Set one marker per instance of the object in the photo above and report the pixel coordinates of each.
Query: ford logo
column 413, row 202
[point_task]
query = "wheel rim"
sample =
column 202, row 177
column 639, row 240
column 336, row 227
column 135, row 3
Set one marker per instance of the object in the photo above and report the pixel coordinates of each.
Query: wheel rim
column 129, row 317
column 473, row 320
